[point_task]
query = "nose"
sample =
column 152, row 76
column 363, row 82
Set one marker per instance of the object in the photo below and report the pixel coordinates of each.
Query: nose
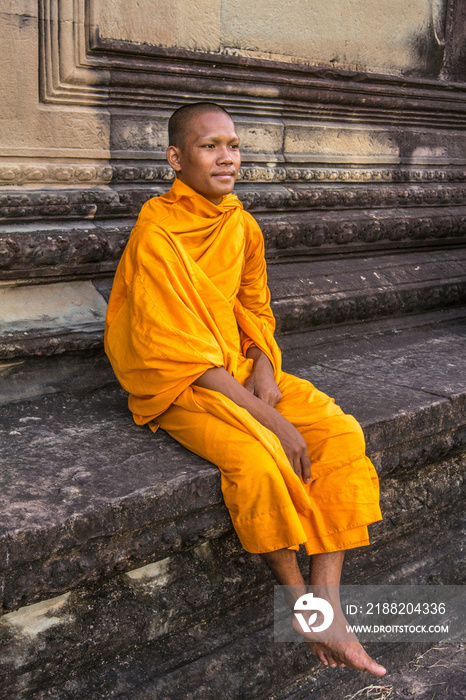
column 224, row 156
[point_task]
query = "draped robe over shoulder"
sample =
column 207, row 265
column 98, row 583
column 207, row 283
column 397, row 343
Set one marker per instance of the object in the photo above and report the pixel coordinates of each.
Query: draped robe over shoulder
column 183, row 299
column 190, row 293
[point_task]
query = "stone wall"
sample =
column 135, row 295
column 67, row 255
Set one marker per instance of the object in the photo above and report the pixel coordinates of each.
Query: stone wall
column 351, row 116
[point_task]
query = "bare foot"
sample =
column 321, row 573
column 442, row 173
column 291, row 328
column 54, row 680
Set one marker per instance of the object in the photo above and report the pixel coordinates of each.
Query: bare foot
column 341, row 648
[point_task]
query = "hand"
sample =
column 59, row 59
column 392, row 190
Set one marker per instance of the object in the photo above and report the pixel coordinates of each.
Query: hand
column 294, row 447
column 262, row 382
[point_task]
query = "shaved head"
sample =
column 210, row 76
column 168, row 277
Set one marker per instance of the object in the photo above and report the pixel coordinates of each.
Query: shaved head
column 180, row 120
column 204, row 149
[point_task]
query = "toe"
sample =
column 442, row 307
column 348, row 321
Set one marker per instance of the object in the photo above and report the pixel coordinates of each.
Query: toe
column 377, row 669
column 321, row 656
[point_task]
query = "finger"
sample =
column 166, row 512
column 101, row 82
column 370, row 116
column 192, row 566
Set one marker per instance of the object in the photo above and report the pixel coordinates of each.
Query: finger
column 306, row 468
column 297, row 466
column 295, row 463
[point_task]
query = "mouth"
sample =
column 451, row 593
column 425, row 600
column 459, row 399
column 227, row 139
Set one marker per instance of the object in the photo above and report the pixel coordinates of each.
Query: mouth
column 225, row 174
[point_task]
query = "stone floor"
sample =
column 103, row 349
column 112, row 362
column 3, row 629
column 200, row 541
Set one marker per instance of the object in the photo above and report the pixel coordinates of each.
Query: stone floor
column 87, row 498
column 437, row 672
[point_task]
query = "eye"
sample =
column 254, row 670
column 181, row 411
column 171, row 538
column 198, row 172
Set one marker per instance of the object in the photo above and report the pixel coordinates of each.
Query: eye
column 235, row 146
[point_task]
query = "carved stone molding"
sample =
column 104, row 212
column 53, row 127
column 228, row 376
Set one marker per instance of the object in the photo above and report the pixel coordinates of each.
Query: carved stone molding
column 344, row 175
column 78, row 66
column 80, row 174
column 308, row 198
column 81, row 251
column 307, row 313
column 64, row 204
column 59, row 174
column 303, row 233
column 304, row 296
column 109, row 203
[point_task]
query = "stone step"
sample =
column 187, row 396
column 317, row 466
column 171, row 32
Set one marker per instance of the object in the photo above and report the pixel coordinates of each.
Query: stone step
column 415, row 671
column 342, row 290
column 50, row 319
column 85, row 493
column 117, row 554
column 200, row 625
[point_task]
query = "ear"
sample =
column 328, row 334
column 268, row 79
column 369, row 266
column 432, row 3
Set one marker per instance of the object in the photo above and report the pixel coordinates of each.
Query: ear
column 173, row 157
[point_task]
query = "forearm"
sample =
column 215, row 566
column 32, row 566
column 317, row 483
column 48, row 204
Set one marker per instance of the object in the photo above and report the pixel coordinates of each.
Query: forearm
column 262, row 364
column 256, row 354
column 218, row 379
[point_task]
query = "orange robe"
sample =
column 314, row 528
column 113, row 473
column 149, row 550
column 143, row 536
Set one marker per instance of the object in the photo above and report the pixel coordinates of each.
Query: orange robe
column 191, row 293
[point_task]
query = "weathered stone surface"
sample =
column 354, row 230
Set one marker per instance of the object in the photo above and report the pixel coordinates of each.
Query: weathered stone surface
column 432, row 360
column 177, row 24
column 88, row 495
column 85, row 492
column 161, row 72
column 337, row 160
column 306, row 221
column 454, row 64
column 313, row 33
column 73, row 373
column 310, row 33
column 197, row 624
column 415, row 671
column 61, row 306
column 49, row 319
column 199, row 610
column 305, row 295
column 93, row 69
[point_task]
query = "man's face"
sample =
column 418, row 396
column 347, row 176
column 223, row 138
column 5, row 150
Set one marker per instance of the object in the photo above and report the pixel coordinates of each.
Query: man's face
column 209, row 160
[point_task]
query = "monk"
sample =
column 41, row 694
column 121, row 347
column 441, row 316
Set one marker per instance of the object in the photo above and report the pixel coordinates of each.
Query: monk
column 190, row 335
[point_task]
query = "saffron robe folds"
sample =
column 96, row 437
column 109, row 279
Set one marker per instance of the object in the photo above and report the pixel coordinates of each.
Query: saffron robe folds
column 191, row 293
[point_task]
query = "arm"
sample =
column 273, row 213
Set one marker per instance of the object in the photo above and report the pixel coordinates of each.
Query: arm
column 218, row 379
column 262, row 382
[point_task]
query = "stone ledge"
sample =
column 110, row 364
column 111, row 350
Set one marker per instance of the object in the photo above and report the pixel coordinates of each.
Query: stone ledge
column 194, row 624
column 85, row 493
column 69, row 316
column 46, row 252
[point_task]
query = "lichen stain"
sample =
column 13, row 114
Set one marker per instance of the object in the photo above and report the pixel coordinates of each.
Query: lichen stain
column 34, row 619
column 155, row 574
